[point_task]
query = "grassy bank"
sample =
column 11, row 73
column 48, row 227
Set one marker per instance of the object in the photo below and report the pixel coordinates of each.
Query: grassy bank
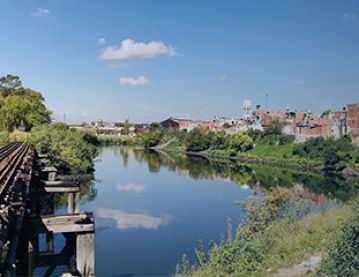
column 270, row 146
column 270, row 240
column 118, row 140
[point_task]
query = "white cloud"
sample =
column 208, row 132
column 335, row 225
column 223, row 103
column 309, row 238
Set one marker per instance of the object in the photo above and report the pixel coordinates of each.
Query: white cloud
column 133, row 220
column 300, row 83
column 130, row 187
column 131, row 49
column 140, row 81
column 101, row 41
column 40, row 12
column 349, row 16
column 223, row 77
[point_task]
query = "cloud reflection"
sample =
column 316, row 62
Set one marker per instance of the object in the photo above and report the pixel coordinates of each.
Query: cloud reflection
column 130, row 187
column 133, row 220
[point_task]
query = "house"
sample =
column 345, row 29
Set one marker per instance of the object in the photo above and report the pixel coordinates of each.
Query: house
column 352, row 120
column 178, row 123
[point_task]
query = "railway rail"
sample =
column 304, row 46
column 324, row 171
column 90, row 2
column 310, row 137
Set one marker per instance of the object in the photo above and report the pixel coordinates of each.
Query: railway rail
column 27, row 187
column 11, row 159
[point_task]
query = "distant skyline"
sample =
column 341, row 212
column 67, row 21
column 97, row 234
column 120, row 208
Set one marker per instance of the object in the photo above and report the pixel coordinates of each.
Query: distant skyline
column 148, row 60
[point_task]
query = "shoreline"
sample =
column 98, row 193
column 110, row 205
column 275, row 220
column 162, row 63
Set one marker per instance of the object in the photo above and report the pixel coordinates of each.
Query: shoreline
column 346, row 173
column 315, row 169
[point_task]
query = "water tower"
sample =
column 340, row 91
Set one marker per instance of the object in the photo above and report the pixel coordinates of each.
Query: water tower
column 247, row 106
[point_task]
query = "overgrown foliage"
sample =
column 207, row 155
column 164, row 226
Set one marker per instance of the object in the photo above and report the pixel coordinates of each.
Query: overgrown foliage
column 272, row 144
column 335, row 153
column 277, row 233
column 68, row 149
column 343, row 257
column 4, row 138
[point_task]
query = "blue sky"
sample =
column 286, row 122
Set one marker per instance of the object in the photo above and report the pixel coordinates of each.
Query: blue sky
column 148, row 60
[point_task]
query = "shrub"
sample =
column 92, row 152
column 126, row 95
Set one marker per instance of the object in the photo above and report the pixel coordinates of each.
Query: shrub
column 286, row 139
column 240, row 142
column 197, row 140
column 4, row 138
column 343, row 258
column 68, row 149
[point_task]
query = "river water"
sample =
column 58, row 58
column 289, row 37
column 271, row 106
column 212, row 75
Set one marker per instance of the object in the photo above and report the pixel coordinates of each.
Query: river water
column 151, row 208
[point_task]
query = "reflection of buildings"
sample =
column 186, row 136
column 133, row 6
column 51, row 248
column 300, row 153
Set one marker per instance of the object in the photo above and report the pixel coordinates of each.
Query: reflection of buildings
column 318, row 199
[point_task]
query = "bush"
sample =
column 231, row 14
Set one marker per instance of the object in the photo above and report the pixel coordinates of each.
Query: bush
column 68, row 149
column 240, row 142
column 197, row 140
column 274, row 128
column 286, row 139
column 152, row 137
column 4, row 138
column 343, row 258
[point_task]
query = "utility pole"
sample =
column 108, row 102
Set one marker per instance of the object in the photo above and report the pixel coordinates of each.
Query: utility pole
column 267, row 95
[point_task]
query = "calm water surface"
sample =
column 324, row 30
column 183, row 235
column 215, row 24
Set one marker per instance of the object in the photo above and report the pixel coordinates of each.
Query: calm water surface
column 151, row 208
column 147, row 217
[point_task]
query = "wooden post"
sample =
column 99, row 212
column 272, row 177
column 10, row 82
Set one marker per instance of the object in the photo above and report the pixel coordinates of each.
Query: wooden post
column 77, row 202
column 51, row 176
column 50, row 241
column 33, row 249
column 85, row 254
column 70, row 205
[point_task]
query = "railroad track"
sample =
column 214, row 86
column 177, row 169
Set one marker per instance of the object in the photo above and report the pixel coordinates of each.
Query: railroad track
column 11, row 159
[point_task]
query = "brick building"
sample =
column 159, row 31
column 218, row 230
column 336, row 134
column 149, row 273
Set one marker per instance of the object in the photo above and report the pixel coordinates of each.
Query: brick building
column 352, row 119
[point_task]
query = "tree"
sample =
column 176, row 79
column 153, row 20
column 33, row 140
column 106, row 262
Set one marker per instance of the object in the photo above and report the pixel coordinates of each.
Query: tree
column 338, row 153
column 219, row 141
column 240, row 142
column 326, row 113
column 152, row 137
column 197, row 140
column 9, row 82
column 19, row 106
column 275, row 128
column 67, row 148
column 125, row 131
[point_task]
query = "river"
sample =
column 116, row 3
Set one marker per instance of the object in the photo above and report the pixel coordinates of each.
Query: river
column 151, row 208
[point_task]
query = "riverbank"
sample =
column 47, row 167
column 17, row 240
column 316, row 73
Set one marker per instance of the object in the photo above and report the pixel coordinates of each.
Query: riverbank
column 270, row 243
column 346, row 173
column 336, row 156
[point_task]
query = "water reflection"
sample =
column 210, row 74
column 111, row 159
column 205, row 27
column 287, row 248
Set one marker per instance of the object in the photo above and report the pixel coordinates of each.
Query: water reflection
column 88, row 193
column 318, row 186
column 133, row 220
column 152, row 207
column 131, row 187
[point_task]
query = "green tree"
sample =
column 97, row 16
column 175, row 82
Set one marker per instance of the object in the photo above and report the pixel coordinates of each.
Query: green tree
column 338, row 153
column 219, row 141
column 19, row 106
column 197, row 140
column 125, row 131
column 240, row 142
column 66, row 148
column 152, row 137
column 275, row 128
column 326, row 113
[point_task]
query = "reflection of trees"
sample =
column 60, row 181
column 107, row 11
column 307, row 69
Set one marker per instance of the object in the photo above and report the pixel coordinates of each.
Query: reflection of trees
column 248, row 174
column 87, row 194
column 124, row 155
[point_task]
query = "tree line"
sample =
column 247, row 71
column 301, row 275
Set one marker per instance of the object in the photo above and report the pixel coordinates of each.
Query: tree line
column 329, row 153
column 24, row 116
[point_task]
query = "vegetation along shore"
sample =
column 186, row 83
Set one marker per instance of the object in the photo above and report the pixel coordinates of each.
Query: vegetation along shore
column 272, row 146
